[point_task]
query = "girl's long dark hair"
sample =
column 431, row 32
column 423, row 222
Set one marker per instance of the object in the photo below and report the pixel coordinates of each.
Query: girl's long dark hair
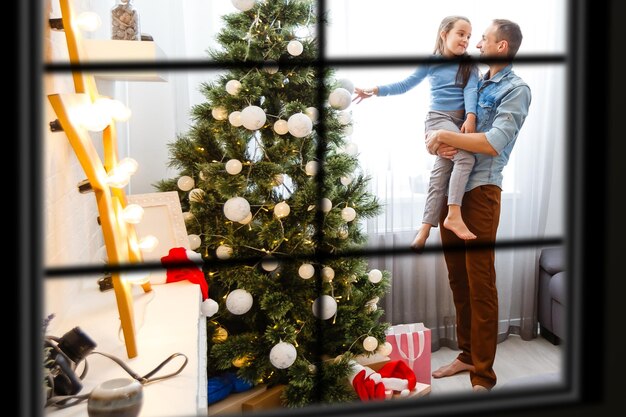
column 465, row 68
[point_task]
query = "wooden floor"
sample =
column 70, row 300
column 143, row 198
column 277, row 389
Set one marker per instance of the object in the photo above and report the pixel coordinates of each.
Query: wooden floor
column 515, row 358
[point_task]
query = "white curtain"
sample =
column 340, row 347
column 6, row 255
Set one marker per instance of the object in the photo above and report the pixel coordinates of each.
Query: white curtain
column 389, row 133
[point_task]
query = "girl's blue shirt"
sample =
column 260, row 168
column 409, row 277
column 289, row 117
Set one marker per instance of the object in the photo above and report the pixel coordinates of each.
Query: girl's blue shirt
column 445, row 94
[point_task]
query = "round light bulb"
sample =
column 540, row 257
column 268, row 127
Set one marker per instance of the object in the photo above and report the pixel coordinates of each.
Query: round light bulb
column 313, row 113
column 344, row 117
column 324, row 307
column 346, row 179
column 233, row 87
column 375, row 276
column 136, row 277
column 269, row 264
column 224, row 252
column 148, row 243
column 327, row 205
column 281, row 210
column 340, row 99
column 281, row 127
column 243, row 5
column 295, row 48
column 133, row 213
column 246, row 219
column 219, row 113
column 306, row 271
column 370, row 343
column 93, row 117
column 194, row 241
column 234, row 166
column 88, row 21
column 235, row 119
column 114, row 108
column 348, row 214
column 128, row 165
column 311, row 168
column 188, row 216
column 328, row 274
column 385, row 349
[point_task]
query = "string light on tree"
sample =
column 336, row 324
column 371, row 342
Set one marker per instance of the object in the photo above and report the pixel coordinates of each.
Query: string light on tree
column 283, row 355
column 346, row 179
column 348, row 214
column 281, row 126
column 340, row 98
column 370, row 343
column 233, row 87
column 235, row 118
column 253, row 117
column 239, row 301
column 234, row 166
column 324, row 307
column 328, row 274
column 246, row 219
column 188, row 216
column 295, row 47
column 223, row 252
column 244, row 5
column 375, row 276
column 306, row 271
column 185, row 183
column 300, row 125
column 236, row 209
column 385, row 349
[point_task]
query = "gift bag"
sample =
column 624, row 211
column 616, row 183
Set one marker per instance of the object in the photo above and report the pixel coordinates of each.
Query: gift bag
column 411, row 345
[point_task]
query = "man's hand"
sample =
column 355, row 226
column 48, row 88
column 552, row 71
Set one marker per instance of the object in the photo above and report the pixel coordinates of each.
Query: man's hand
column 435, row 145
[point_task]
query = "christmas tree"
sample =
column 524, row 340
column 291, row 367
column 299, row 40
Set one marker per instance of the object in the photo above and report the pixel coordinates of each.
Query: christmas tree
column 272, row 187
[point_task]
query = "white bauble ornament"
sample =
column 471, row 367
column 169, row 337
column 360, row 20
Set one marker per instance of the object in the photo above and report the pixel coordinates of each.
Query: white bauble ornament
column 188, row 216
column 281, row 127
column 351, row 148
column 239, row 301
column 270, row 66
column 209, row 307
column 348, row 130
column 346, row 179
column 306, row 271
column 194, row 241
column 236, row 209
column 283, row 355
column 311, row 168
column 243, row 5
column 224, row 252
column 235, row 119
column 253, row 117
column 234, row 166
column 269, row 264
column 385, row 349
column 300, row 125
column 375, row 276
column 313, row 113
column 233, row 87
column 246, row 219
column 326, row 205
column 219, row 113
column 340, row 99
column 347, row 84
column 281, row 210
column 295, row 48
column 196, row 195
column 328, row 274
column 370, row 343
column 324, row 307
column 348, row 214
column 185, row 183
column 344, row 117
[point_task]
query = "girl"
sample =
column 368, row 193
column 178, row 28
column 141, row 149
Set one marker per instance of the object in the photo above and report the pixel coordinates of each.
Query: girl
column 452, row 107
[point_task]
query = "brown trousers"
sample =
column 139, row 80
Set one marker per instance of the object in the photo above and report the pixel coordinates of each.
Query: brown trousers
column 472, row 276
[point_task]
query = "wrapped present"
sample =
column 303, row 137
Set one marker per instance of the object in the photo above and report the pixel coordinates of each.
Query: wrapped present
column 411, row 345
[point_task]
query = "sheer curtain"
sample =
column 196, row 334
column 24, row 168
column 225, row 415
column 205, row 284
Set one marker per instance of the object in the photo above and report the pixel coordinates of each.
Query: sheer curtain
column 389, row 133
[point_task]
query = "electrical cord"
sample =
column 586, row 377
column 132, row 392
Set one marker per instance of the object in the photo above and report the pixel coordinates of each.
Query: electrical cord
column 64, row 401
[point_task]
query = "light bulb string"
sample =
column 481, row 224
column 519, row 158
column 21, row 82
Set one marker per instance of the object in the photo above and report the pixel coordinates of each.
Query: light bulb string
column 249, row 36
column 359, row 337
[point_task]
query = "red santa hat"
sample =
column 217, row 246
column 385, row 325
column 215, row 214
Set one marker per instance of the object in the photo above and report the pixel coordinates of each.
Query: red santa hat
column 366, row 387
column 398, row 376
column 184, row 264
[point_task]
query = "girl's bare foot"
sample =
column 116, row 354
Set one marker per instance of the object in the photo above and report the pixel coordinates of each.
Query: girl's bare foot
column 452, row 369
column 420, row 239
column 454, row 222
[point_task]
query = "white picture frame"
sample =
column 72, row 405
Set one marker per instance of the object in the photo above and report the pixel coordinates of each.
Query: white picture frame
column 163, row 219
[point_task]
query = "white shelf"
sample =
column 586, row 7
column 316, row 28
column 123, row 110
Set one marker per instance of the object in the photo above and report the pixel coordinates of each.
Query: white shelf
column 167, row 321
column 115, row 51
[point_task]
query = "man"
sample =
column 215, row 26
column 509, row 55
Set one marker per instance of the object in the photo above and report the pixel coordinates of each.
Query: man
column 503, row 103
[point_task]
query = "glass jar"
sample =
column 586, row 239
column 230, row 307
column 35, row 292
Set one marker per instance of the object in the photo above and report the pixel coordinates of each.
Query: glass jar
column 125, row 21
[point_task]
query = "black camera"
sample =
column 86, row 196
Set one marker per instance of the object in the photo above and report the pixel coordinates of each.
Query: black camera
column 63, row 358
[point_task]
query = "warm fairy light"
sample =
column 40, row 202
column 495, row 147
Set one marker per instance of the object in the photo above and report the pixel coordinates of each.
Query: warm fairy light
column 88, row 21
column 132, row 213
column 113, row 108
column 128, row 165
column 138, row 277
column 148, row 243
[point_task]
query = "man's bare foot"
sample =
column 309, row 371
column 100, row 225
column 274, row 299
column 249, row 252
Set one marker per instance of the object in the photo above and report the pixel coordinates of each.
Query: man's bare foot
column 480, row 388
column 457, row 225
column 452, row 369
column 420, row 239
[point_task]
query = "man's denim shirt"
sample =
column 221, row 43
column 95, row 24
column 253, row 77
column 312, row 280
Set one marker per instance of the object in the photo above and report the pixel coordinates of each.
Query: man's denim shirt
column 503, row 103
